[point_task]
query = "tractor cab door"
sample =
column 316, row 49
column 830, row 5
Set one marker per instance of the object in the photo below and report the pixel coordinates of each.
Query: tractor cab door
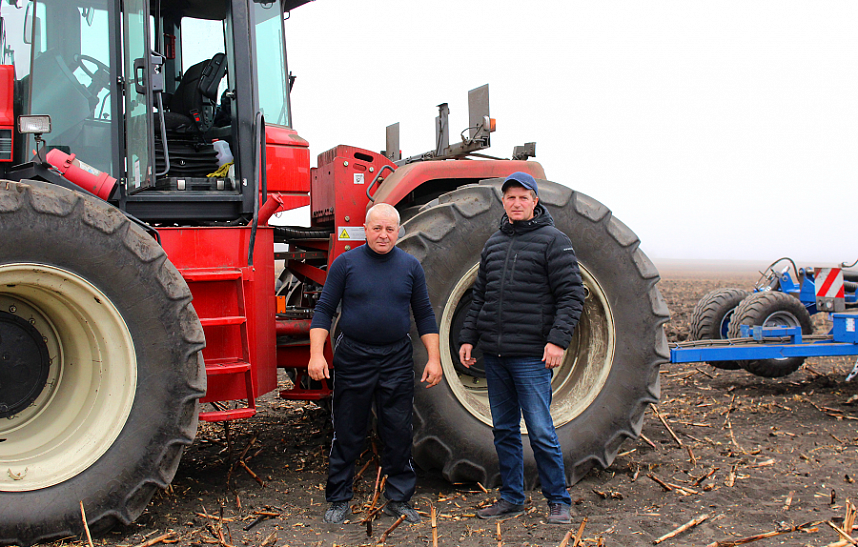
column 139, row 146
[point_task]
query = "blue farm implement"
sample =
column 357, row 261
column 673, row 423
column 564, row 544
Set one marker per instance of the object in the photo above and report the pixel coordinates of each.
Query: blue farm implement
column 769, row 331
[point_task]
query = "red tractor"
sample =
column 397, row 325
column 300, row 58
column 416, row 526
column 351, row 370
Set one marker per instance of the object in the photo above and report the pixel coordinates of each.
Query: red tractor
column 144, row 147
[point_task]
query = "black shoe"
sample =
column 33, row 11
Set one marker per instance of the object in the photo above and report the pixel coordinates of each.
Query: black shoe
column 399, row 508
column 501, row 508
column 336, row 513
column 558, row 513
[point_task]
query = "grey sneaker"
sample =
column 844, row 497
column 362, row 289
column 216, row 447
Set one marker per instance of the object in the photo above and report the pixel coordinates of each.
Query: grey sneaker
column 501, row 508
column 336, row 513
column 399, row 508
column 558, row 513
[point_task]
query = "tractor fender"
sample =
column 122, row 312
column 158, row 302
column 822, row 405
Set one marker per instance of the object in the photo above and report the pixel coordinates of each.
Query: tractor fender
column 409, row 177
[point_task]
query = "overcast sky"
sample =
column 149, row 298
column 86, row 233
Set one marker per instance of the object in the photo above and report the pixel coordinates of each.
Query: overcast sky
column 714, row 130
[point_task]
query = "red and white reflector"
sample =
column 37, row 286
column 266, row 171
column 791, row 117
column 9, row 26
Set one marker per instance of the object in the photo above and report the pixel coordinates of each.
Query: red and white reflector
column 829, row 283
column 829, row 290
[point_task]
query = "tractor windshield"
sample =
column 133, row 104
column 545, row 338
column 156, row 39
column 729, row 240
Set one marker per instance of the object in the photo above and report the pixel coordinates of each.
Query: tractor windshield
column 61, row 53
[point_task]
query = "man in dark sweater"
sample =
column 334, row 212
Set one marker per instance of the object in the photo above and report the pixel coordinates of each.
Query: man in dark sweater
column 376, row 283
column 527, row 300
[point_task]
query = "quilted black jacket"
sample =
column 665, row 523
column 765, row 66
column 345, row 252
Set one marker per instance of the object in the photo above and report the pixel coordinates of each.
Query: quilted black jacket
column 528, row 290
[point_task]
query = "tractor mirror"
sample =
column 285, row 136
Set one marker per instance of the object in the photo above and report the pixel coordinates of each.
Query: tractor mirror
column 28, row 24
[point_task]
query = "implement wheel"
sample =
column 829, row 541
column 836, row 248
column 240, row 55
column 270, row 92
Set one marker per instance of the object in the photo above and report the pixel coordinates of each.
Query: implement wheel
column 100, row 364
column 711, row 318
column 771, row 309
column 610, row 371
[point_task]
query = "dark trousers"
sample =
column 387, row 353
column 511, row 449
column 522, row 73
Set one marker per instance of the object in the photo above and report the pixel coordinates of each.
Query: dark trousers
column 364, row 374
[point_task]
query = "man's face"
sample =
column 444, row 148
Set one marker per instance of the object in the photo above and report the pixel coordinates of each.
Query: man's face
column 381, row 233
column 519, row 203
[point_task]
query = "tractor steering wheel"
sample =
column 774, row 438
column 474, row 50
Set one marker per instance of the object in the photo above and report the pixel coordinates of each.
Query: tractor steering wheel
column 99, row 77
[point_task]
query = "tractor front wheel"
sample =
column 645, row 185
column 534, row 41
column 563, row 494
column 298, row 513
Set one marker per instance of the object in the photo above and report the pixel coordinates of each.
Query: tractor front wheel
column 610, row 370
column 100, row 364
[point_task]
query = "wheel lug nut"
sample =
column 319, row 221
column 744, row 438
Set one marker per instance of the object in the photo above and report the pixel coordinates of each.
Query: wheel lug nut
column 12, row 308
column 32, row 321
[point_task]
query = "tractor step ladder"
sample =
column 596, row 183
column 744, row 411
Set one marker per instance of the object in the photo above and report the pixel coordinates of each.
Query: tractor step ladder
column 237, row 368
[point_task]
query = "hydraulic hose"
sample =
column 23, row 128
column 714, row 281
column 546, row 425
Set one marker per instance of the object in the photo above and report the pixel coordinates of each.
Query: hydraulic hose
column 283, row 234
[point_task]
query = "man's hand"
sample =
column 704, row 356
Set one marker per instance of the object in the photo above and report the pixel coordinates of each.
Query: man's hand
column 552, row 356
column 465, row 355
column 432, row 373
column 317, row 368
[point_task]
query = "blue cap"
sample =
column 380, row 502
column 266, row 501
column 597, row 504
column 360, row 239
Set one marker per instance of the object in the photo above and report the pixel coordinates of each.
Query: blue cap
column 521, row 179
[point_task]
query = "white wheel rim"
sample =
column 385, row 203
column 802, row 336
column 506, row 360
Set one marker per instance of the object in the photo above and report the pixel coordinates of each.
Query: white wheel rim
column 575, row 384
column 91, row 384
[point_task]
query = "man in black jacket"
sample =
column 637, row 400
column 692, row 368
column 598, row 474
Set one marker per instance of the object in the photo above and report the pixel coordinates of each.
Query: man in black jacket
column 527, row 300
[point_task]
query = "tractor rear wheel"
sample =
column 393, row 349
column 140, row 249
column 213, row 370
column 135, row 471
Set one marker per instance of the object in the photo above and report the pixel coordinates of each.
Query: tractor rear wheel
column 101, row 365
column 711, row 318
column 771, row 309
column 610, row 371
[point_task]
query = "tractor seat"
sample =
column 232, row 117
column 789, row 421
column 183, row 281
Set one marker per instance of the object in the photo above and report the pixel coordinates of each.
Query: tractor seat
column 192, row 106
column 187, row 121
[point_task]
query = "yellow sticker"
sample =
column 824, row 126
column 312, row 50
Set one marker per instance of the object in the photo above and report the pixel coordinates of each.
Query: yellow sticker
column 351, row 233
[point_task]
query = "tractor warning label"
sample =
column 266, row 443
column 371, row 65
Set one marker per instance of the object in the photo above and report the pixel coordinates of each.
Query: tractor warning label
column 358, row 178
column 355, row 233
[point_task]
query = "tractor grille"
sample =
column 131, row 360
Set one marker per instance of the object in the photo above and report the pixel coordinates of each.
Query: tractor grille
column 5, row 145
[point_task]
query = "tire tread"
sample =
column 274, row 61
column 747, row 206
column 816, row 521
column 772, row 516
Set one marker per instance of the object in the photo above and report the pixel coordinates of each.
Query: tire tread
column 18, row 197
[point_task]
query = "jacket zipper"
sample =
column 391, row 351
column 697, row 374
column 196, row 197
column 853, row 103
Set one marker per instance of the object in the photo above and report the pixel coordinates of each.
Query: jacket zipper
column 503, row 287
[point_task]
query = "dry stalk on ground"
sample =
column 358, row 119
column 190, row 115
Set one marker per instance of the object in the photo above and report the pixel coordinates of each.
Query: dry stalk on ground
column 806, row 527
column 688, row 525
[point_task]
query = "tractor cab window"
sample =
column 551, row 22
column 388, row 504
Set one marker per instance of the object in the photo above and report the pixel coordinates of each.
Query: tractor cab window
column 204, row 64
column 70, row 77
column 196, row 105
column 271, row 59
column 16, row 38
column 201, row 40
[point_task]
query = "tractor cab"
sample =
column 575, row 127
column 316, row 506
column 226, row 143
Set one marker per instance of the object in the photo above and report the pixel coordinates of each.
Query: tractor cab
column 171, row 98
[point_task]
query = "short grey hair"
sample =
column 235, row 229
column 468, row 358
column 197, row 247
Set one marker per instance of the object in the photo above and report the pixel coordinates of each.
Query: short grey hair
column 383, row 209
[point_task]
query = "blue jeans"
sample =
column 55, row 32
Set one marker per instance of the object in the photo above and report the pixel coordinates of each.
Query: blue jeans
column 522, row 385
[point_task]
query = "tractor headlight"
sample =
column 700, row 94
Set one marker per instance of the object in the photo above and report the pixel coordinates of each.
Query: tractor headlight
column 34, row 124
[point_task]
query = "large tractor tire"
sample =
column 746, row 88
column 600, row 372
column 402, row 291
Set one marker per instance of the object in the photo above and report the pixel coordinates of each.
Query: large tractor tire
column 610, row 371
column 771, row 309
column 100, row 364
column 711, row 318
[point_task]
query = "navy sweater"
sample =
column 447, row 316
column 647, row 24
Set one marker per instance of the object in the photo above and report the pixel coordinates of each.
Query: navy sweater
column 376, row 291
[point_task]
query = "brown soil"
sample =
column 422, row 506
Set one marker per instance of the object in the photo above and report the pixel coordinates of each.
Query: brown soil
column 756, row 456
